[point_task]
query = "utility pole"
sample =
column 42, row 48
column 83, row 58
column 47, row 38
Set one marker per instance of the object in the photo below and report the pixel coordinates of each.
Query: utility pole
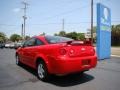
column 24, row 17
column 22, row 32
column 92, row 21
column 63, row 22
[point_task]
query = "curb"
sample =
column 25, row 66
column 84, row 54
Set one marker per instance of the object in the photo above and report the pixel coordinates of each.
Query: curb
column 115, row 55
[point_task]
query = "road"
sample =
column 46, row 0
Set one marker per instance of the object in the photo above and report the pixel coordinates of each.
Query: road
column 106, row 76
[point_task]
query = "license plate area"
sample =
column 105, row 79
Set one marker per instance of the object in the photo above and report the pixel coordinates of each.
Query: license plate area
column 86, row 62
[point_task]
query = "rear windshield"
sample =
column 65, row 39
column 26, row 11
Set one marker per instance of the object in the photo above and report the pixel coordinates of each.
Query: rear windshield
column 57, row 39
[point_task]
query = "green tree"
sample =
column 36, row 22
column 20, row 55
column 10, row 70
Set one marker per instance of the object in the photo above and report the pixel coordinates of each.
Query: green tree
column 115, row 35
column 2, row 37
column 55, row 34
column 76, row 36
column 62, row 33
column 15, row 37
column 72, row 35
column 80, row 36
column 27, row 37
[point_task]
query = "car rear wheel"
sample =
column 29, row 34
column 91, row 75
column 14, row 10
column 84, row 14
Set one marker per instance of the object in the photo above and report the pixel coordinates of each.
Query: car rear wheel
column 82, row 72
column 42, row 71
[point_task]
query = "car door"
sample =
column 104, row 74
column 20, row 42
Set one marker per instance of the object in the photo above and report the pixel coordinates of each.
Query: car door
column 31, row 49
column 37, row 49
column 27, row 50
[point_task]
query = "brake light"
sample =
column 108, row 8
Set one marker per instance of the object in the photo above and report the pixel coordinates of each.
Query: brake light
column 63, row 51
column 71, row 52
column 93, row 51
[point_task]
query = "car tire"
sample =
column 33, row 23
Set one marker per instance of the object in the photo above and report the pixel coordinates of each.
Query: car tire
column 82, row 72
column 42, row 71
column 18, row 60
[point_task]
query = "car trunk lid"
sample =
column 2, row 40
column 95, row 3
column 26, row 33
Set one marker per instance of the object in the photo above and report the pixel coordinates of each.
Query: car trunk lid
column 79, row 48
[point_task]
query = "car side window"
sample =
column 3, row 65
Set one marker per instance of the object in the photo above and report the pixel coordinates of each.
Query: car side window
column 38, row 42
column 30, row 42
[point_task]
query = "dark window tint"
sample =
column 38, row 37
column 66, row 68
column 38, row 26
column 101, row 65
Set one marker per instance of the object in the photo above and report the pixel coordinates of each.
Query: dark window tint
column 39, row 42
column 57, row 39
column 30, row 42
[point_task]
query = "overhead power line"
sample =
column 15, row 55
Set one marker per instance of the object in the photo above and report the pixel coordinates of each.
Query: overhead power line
column 8, row 25
column 67, row 12
column 59, row 23
column 71, row 11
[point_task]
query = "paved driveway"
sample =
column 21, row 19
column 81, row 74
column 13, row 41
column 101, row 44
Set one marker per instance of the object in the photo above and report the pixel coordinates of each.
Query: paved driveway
column 106, row 76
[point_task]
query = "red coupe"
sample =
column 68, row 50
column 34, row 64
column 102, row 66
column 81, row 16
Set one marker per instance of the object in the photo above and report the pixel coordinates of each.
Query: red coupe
column 56, row 55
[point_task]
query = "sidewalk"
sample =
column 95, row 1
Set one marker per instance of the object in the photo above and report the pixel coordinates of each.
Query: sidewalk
column 115, row 51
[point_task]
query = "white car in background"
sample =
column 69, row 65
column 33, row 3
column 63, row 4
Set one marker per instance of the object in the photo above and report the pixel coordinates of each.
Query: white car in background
column 12, row 45
column 18, row 44
column 7, row 45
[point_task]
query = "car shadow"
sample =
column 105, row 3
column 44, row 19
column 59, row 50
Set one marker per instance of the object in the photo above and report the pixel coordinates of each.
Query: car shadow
column 70, row 80
column 62, row 81
column 29, row 69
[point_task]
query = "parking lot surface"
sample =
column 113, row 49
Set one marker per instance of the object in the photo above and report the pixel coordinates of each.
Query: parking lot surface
column 106, row 76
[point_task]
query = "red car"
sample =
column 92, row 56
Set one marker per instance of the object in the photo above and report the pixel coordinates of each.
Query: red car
column 56, row 55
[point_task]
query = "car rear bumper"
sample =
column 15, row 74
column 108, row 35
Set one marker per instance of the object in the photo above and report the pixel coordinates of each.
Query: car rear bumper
column 63, row 65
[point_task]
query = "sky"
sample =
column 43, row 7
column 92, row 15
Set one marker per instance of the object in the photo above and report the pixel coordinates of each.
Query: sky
column 47, row 15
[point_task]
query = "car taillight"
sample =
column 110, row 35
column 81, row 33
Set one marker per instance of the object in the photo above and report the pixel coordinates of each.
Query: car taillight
column 71, row 52
column 63, row 51
column 93, row 51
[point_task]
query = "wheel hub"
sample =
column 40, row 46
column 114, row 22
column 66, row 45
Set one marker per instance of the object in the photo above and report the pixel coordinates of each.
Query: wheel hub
column 41, row 71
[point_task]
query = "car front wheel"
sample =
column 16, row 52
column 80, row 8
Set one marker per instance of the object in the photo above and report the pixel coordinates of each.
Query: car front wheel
column 17, row 60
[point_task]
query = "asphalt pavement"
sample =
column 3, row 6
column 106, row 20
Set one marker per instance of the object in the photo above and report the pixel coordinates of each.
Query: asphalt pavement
column 106, row 76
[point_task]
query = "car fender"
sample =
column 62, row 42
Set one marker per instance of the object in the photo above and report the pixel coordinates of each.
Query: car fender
column 45, row 59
